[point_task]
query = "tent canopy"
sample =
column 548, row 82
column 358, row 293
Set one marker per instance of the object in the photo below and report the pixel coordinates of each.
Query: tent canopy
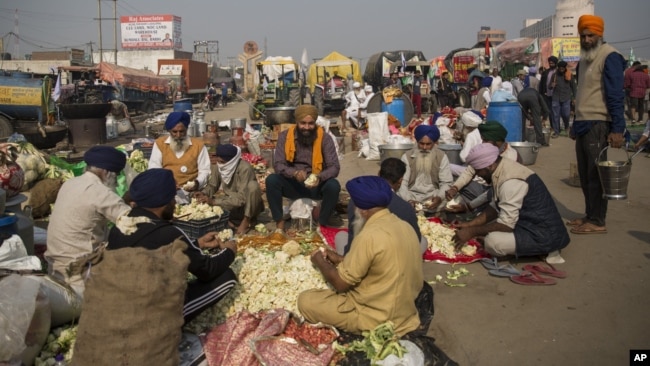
column 334, row 63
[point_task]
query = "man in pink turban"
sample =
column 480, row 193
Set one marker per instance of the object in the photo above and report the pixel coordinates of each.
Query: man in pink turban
column 428, row 174
column 599, row 117
column 522, row 219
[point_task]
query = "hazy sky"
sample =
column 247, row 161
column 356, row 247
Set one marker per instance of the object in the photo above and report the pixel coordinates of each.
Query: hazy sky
column 356, row 28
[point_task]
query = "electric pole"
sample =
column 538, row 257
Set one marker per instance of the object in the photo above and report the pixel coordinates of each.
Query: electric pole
column 101, row 41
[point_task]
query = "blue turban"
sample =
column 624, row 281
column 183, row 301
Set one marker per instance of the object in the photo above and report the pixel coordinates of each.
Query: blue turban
column 175, row 118
column 153, row 188
column 369, row 191
column 105, row 157
column 425, row 130
column 487, row 81
column 226, row 151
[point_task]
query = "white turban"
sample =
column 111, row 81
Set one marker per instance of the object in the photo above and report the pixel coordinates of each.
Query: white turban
column 368, row 88
column 507, row 86
column 356, row 84
column 471, row 119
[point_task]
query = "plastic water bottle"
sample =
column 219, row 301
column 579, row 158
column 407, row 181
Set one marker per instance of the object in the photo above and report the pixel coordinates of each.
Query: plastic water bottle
column 59, row 360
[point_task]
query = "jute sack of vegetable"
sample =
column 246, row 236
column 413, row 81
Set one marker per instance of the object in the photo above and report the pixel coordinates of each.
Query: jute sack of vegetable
column 42, row 195
column 133, row 308
column 33, row 163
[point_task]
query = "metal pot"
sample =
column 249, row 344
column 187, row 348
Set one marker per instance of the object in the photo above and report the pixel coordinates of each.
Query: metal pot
column 393, row 150
column 453, row 152
column 279, row 115
column 237, row 123
column 527, row 150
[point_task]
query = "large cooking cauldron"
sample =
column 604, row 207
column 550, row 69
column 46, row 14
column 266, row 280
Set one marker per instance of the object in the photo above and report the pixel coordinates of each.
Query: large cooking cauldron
column 279, row 115
column 53, row 134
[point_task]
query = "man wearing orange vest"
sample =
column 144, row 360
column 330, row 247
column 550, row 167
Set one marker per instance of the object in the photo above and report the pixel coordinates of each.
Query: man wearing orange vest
column 306, row 166
column 185, row 156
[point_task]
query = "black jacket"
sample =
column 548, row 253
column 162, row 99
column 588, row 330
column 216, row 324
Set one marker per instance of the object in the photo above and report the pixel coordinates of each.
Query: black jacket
column 160, row 233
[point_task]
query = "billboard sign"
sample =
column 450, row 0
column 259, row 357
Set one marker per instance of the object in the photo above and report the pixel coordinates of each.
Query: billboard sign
column 151, row 32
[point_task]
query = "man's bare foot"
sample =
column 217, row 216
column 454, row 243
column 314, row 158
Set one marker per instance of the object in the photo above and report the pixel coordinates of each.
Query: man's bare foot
column 244, row 226
column 279, row 225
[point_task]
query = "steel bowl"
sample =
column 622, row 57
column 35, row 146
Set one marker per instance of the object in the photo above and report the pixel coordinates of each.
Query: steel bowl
column 279, row 115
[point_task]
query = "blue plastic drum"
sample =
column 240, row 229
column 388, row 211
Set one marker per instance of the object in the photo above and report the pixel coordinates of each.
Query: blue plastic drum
column 182, row 105
column 396, row 108
column 509, row 115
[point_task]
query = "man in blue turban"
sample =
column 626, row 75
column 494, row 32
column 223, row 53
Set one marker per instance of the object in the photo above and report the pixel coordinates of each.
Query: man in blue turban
column 392, row 171
column 152, row 192
column 187, row 157
column 240, row 192
column 379, row 278
column 428, row 174
column 78, row 226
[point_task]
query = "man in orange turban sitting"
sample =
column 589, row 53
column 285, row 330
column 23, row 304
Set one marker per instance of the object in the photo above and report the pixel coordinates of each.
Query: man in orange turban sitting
column 599, row 119
column 306, row 166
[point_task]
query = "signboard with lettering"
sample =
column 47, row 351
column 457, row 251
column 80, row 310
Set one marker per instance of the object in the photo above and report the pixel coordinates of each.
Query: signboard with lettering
column 170, row 70
column 151, row 32
column 461, row 64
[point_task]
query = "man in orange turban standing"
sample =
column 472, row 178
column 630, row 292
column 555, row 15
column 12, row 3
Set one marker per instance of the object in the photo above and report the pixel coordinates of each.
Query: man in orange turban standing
column 599, row 119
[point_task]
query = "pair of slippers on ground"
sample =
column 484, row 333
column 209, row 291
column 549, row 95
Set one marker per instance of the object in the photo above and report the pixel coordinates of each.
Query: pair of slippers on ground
column 581, row 227
column 530, row 276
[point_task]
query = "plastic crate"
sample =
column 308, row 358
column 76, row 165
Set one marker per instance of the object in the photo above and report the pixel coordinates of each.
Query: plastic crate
column 197, row 228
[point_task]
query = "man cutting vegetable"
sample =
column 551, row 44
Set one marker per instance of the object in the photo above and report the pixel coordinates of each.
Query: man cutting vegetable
column 153, row 193
column 78, row 225
column 185, row 156
column 380, row 277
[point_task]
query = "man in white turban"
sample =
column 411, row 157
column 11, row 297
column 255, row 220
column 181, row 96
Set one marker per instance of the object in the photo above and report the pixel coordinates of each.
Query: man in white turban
column 352, row 111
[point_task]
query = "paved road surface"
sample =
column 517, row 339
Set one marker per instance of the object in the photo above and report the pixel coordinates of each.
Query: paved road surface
column 593, row 317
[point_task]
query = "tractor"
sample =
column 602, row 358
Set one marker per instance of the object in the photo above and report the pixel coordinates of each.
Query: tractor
column 279, row 86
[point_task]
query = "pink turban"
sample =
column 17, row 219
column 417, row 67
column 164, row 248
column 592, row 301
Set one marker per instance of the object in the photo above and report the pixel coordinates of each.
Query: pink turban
column 483, row 155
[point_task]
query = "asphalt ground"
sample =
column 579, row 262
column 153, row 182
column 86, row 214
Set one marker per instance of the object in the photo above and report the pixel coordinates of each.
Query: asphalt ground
column 594, row 316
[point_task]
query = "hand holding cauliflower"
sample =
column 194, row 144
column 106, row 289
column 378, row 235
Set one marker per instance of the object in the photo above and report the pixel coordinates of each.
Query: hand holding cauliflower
column 312, row 181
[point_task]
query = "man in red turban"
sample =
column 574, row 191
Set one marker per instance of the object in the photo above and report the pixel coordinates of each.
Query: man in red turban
column 599, row 119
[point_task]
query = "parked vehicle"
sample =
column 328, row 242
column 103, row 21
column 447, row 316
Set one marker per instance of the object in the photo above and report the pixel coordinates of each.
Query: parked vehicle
column 327, row 80
column 140, row 90
column 278, row 86
column 405, row 62
column 190, row 77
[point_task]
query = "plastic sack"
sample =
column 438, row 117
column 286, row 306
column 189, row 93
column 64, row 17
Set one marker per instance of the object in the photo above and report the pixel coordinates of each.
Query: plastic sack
column 413, row 357
column 24, row 320
column 12, row 248
column 76, row 169
column 377, row 133
column 301, row 208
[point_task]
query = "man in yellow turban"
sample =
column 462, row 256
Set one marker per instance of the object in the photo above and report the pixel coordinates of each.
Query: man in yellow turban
column 599, row 117
column 306, row 166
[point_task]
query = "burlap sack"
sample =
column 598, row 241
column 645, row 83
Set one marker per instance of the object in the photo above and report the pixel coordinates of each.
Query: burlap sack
column 133, row 308
column 42, row 195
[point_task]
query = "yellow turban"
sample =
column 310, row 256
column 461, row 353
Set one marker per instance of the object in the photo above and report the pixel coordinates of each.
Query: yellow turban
column 306, row 110
column 594, row 23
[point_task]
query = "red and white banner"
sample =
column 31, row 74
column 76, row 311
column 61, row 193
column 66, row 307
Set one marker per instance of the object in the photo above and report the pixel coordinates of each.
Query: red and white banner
column 151, row 31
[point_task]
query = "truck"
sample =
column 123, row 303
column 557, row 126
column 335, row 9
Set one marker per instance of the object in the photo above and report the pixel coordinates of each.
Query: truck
column 140, row 90
column 190, row 78
column 405, row 62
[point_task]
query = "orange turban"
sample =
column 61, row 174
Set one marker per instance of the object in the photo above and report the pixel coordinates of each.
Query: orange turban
column 305, row 110
column 594, row 23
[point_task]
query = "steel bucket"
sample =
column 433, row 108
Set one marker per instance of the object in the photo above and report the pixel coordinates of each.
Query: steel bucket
column 237, row 123
column 614, row 176
column 279, row 115
column 393, row 150
column 527, row 151
column 453, row 152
